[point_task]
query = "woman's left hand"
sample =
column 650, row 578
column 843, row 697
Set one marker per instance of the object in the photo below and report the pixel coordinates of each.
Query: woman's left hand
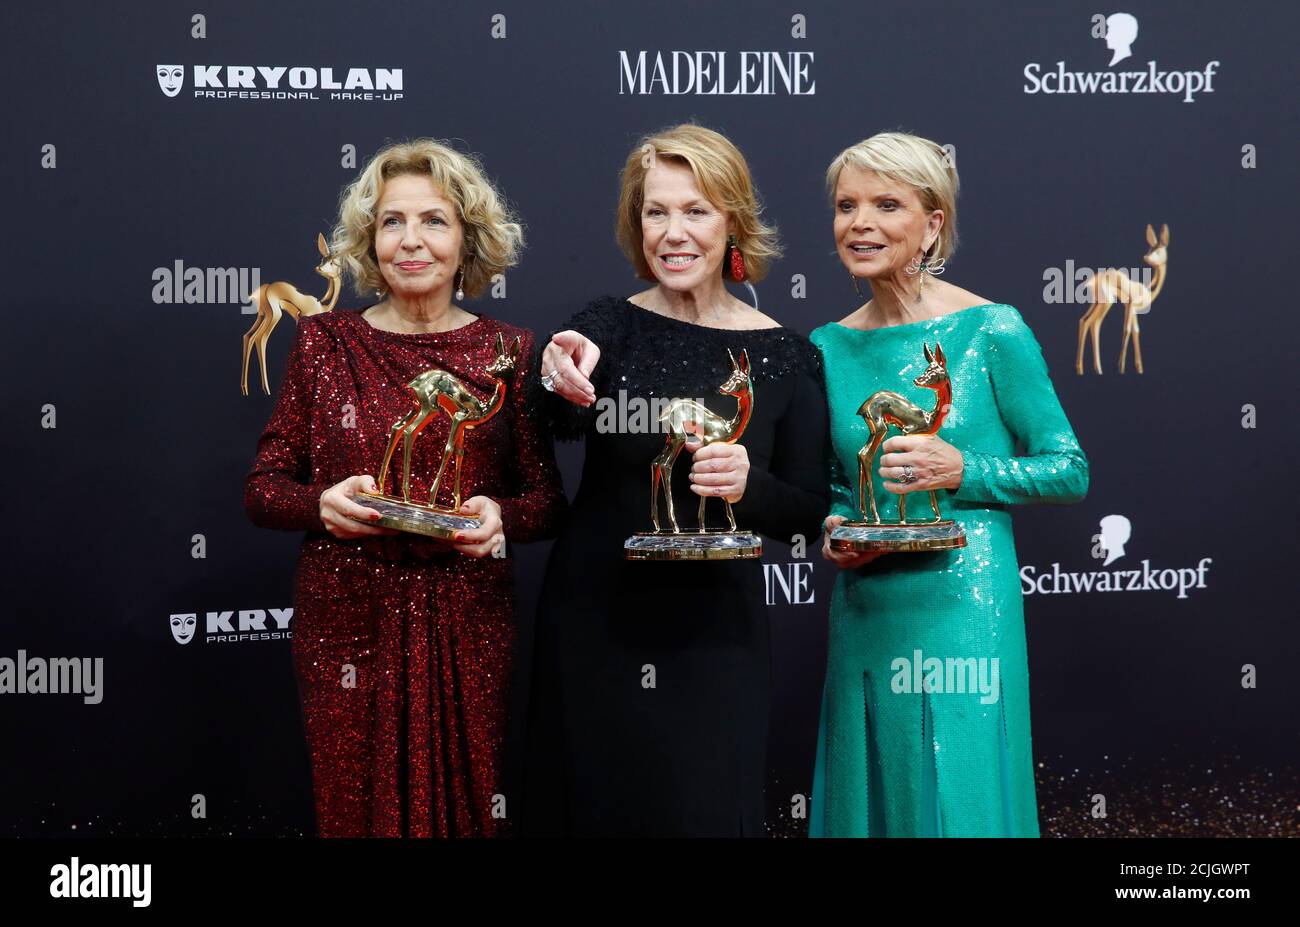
column 935, row 463
column 483, row 540
column 719, row 470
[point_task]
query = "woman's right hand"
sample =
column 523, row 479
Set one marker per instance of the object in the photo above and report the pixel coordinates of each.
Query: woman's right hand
column 337, row 509
column 573, row 355
column 844, row 559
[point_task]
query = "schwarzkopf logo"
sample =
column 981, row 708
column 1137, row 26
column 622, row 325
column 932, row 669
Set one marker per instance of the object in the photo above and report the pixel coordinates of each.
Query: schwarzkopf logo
column 1115, row 533
column 281, row 82
column 1120, row 30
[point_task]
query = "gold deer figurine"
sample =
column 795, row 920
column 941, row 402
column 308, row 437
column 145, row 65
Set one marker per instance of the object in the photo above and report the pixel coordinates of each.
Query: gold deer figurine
column 884, row 408
column 710, row 428
column 274, row 298
column 1111, row 286
column 438, row 391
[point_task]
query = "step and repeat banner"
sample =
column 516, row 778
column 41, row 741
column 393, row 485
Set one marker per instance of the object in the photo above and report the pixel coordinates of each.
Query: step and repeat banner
column 163, row 162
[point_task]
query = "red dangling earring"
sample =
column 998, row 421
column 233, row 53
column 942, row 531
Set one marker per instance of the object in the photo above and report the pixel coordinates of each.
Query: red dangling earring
column 737, row 260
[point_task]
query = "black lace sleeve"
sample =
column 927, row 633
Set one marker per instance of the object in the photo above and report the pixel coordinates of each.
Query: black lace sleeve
column 605, row 322
column 794, row 496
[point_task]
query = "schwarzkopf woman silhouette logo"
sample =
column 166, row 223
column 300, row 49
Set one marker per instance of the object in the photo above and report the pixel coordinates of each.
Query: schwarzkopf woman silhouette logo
column 1121, row 33
column 1115, row 531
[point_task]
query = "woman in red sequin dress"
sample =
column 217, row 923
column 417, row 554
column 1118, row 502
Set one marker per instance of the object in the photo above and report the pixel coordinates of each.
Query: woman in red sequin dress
column 403, row 645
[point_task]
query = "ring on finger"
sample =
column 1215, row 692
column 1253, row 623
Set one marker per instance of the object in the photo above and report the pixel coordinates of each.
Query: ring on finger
column 909, row 475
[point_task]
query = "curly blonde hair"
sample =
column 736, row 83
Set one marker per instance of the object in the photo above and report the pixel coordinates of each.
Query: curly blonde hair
column 493, row 236
column 722, row 175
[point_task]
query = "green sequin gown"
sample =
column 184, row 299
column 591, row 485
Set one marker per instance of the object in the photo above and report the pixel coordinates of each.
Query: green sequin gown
column 907, row 746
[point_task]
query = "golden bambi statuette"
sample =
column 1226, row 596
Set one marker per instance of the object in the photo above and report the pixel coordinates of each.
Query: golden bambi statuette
column 881, row 410
column 437, row 391
column 709, row 428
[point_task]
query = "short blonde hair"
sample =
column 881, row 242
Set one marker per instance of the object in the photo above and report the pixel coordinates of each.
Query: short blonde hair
column 493, row 237
column 915, row 161
column 722, row 175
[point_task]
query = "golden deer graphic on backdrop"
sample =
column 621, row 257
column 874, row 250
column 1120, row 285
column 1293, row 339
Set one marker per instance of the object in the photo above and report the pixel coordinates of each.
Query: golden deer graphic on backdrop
column 1110, row 286
column 275, row 298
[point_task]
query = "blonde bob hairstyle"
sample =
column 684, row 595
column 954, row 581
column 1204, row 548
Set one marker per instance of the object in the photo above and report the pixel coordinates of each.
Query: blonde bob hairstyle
column 723, row 177
column 493, row 237
column 912, row 160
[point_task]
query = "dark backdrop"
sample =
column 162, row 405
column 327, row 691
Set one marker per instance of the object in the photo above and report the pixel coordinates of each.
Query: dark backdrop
column 1137, row 694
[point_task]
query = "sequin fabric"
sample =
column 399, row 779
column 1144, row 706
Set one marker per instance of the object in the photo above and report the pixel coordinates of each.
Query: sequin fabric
column 657, row 356
column 902, row 751
column 402, row 648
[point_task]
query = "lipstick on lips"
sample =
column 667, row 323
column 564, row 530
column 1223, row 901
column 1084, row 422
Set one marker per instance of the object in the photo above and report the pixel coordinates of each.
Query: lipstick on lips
column 413, row 265
column 677, row 266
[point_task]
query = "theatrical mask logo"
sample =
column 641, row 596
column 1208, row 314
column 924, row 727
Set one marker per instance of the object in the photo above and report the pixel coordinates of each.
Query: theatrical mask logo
column 183, row 627
column 171, row 77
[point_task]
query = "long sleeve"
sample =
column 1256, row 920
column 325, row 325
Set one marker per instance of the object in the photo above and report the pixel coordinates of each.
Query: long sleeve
column 843, row 493
column 1054, row 468
column 792, row 497
column 278, row 492
column 602, row 322
column 844, row 498
column 535, row 511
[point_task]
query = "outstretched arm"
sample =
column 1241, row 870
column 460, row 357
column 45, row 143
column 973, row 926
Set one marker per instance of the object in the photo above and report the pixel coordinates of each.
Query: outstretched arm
column 585, row 338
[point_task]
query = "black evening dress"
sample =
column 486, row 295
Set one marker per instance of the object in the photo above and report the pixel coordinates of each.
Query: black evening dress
column 651, row 681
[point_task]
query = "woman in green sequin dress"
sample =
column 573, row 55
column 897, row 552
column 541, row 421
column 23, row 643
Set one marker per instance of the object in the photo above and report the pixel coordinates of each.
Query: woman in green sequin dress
column 925, row 711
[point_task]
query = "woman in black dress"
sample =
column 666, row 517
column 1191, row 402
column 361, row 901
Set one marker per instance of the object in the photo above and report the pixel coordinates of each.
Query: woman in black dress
column 649, row 708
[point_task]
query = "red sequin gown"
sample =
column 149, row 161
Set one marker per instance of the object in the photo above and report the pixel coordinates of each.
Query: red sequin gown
column 414, row 746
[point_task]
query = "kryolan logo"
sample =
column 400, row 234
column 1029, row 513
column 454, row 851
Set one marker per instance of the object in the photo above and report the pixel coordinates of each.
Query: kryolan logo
column 1120, row 32
column 1115, row 532
column 183, row 627
column 229, row 627
column 281, row 82
column 171, row 78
